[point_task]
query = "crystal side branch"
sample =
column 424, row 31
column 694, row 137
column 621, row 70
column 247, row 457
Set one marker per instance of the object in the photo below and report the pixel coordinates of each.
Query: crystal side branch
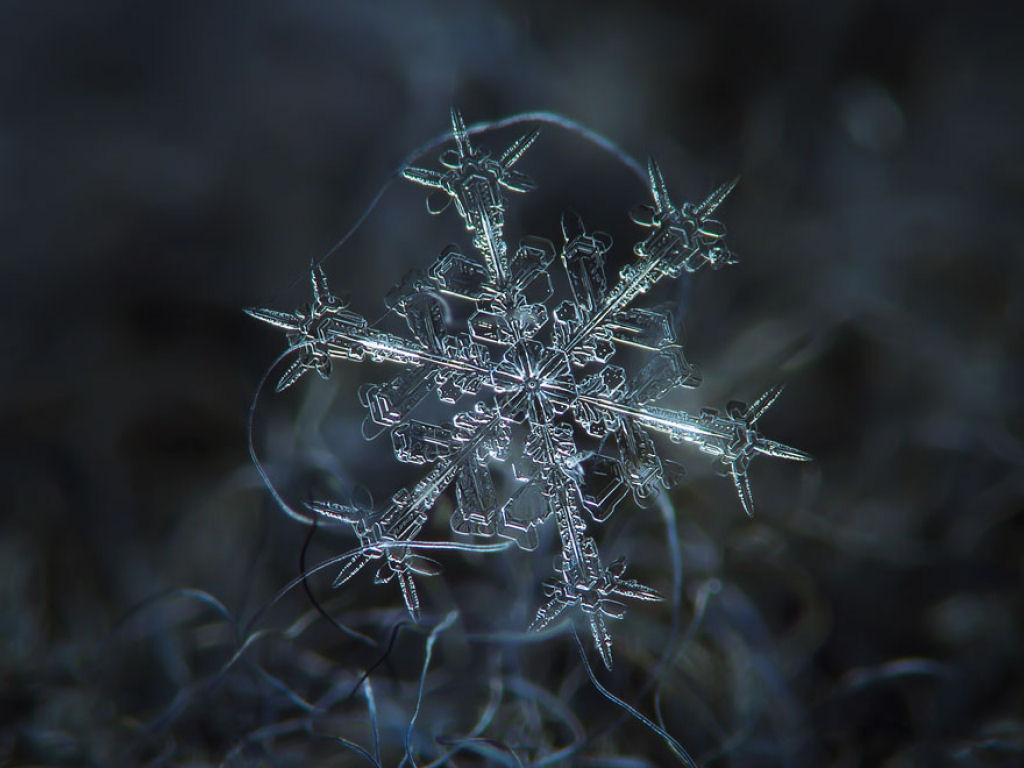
column 545, row 373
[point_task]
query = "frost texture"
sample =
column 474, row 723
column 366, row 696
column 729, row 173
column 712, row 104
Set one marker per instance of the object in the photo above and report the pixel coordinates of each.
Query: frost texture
column 524, row 363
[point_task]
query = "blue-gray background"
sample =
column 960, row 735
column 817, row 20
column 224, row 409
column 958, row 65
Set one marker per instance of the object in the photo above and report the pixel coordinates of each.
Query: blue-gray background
column 163, row 165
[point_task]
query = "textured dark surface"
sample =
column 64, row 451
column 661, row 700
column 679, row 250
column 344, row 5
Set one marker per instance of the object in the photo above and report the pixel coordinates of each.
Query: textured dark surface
column 164, row 165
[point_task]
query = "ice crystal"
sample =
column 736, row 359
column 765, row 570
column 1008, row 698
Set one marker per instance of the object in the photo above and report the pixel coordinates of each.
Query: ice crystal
column 546, row 370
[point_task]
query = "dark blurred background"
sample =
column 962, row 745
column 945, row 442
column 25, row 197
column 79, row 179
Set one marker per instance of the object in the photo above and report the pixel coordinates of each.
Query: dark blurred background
column 163, row 165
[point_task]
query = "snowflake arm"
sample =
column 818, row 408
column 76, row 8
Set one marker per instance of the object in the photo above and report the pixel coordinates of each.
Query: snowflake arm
column 731, row 437
column 473, row 180
column 476, row 436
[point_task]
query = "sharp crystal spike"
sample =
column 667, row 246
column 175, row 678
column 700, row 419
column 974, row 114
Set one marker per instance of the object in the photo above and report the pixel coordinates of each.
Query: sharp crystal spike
column 424, row 176
column 287, row 321
column 741, row 480
column 715, row 199
column 658, row 188
column 518, row 149
column 762, row 404
column 460, row 134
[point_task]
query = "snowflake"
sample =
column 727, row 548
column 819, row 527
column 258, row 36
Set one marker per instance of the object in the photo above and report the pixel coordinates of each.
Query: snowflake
column 549, row 376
